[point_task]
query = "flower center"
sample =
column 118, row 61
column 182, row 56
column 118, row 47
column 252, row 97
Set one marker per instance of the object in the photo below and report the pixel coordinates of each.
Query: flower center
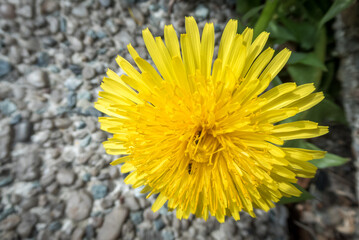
column 202, row 147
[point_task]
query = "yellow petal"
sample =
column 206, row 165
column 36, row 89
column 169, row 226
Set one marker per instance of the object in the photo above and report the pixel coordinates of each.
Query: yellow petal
column 171, row 40
column 228, row 36
column 276, row 64
column 160, row 201
column 207, row 48
column 194, row 40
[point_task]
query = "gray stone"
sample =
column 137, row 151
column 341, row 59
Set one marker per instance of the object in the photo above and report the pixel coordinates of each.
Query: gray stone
column 132, row 203
column 54, row 226
column 73, row 83
column 6, row 181
column 14, row 57
column 105, row 3
column 65, row 177
column 31, row 44
column 136, row 217
column 91, row 111
column 88, row 72
column 23, row 131
column 54, row 25
column 15, row 119
column 28, row 203
column 85, row 141
column 43, row 59
column 201, row 12
column 47, row 124
column 41, row 137
column 80, row 11
column 159, row 224
column 99, row 191
column 111, row 228
column 15, row 199
column 5, row 140
column 107, row 203
column 69, row 155
column 97, row 220
column 229, row 228
column 28, row 221
column 86, row 95
column 148, row 214
column 75, row 68
column 78, row 233
column 38, row 79
column 49, row 6
column 47, row 179
column 79, row 205
column 75, row 44
column 80, row 124
column 44, row 234
column 28, row 166
column 25, row 11
column 86, row 177
column 99, row 136
column 84, row 104
column 63, row 24
column 10, row 222
column 6, row 212
column 167, row 235
column 128, row 231
column 113, row 172
column 53, row 188
column 122, row 39
column 7, row 107
column 7, row 11
column 62, row 123
column 71, row 99
column 90, row 232
column 19, row 92
column 130, row 24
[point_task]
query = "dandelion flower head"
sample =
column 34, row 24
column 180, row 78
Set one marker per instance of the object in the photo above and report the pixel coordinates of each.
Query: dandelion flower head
column 201, row 133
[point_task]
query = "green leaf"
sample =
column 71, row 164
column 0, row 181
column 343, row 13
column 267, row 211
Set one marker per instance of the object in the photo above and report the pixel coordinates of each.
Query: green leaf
column 276, row 81
column 337, row 7
column 304, row 196
column 279, row 32
column 302, row 74
column 304, row 32
column 254, row 12
column 328, row 77
column 309, row 59
column 326, row 111
column 242, row 7
column 329, row 160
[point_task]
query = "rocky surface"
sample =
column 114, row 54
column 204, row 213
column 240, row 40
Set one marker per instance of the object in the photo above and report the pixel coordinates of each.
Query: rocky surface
column 347, row 46
column 55, row 178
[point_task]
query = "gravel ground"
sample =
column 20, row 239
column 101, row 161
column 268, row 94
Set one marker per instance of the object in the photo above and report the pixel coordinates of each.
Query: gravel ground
column 55, row 178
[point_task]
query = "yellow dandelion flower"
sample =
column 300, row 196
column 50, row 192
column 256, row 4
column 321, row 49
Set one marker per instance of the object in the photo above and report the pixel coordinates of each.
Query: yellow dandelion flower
column 205, row 137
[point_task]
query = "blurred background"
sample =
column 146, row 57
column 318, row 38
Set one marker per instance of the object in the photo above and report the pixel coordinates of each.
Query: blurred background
column 55, row 178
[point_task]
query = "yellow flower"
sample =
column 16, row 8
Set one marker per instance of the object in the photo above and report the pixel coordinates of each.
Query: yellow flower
column 205, row 138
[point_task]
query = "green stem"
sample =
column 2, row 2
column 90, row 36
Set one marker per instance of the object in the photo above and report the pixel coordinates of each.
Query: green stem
column 320, row 52
column 266, row 15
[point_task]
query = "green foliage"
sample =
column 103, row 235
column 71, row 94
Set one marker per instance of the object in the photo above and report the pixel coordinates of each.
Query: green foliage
column 329, row 160
column 337, row 7
column 304, row 26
